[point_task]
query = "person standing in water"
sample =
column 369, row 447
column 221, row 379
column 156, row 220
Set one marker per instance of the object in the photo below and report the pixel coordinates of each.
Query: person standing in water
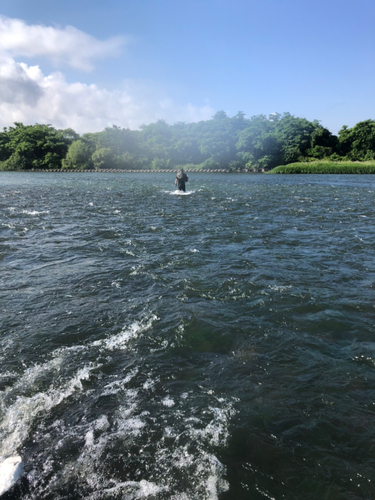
column 180, row 180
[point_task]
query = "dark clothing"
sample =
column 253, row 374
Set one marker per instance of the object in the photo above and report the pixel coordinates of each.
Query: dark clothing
column 181, row 179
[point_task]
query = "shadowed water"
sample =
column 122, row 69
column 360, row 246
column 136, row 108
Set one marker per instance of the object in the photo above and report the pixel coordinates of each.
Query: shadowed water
column 218, row 345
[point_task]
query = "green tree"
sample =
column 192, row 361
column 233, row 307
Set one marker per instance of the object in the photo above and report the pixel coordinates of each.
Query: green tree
column 32, row 146
column 258, row 144
column 16, row 161
column 323, row 143
column 4, row 149
column 91, row 140
column 78, row 156
column 103, row 158
column 358, row 142
column 118, row 140
column 156, row 139
column 294, row 136
column 69, row 134
column 217, row 138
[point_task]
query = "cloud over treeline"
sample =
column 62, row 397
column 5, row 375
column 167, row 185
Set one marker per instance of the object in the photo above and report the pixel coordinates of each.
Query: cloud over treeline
column 61, row 45
column 28, row 95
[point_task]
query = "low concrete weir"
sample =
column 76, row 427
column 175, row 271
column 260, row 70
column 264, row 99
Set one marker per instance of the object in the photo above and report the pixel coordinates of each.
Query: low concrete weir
column 120, row 171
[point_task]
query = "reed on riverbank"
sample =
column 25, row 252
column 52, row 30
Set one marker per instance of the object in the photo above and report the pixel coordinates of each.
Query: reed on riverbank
column 326, row 167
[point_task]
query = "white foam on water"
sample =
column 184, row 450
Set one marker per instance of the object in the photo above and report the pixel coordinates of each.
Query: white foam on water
column 132, row 490
column 216, row 432
column 18, row 417
column 125, row 422
column 181, row 468
column 8, row 375
column 10, row 471
column 121, row 340
column 6, row 345
column 180, row 193
column 101, row 424
column 27, row 401
column 203, row 470
column 118, row 385
column 263, row 493
column 280, row 288
column 136, row 270
column 131, row 426
column 149, row 384
column 204, row 475
column 89, row 438
column 162, row 346
column 168, row 401
column 35, row 212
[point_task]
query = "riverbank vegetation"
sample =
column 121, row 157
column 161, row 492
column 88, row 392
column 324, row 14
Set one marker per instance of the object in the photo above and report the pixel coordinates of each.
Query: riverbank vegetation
column 326, row 167
column 237, row 143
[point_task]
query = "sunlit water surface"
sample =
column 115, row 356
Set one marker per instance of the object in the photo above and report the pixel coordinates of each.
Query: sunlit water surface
column 217, row 345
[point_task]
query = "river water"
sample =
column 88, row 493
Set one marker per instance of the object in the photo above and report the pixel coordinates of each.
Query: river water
column 217, row 345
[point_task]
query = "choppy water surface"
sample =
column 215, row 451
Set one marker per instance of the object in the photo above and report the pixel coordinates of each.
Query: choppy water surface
column 212, row 346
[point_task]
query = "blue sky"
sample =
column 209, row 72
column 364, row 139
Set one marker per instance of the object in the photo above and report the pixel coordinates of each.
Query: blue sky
column 90, row 64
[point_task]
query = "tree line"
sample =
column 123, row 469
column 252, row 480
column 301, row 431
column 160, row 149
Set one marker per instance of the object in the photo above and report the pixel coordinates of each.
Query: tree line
column 236, row 143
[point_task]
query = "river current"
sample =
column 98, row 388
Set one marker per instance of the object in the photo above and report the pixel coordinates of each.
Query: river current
column 214, row 345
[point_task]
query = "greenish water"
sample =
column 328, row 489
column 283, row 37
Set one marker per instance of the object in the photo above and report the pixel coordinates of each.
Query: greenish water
column 218, row 345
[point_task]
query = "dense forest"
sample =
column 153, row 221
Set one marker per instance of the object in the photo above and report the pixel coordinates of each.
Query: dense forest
column 235, row 143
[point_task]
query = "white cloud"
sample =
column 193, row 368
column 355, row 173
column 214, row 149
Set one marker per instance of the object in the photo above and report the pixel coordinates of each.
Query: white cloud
column 28, row 96
column 15, row 84
column 68, row 45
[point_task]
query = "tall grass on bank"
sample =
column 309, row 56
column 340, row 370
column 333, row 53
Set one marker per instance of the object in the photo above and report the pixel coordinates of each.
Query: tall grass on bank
column 326, row 167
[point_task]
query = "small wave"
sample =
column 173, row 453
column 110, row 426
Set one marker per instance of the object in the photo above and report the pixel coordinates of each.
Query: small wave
column 16, row 423
column 33, row 394
column 280, row 288
column 129, row 332
column 35, row 212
